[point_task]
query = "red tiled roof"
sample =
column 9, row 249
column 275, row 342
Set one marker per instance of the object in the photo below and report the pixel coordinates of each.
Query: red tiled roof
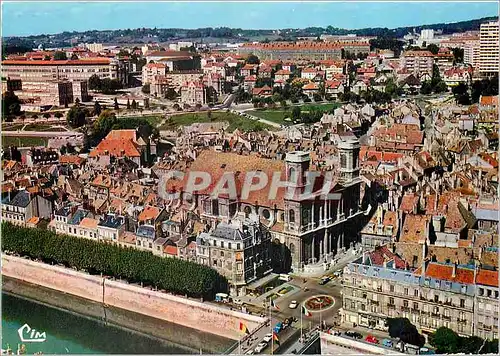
column 149, row 213
column 170, row 250
column 418, row 54
column 414, row 228
column 116, row 148
column 445, row 272
column 487, row 277
column 283, row 72
column 489, row 100
column 379, row 255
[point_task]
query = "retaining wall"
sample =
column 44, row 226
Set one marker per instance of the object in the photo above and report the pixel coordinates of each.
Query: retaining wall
column 190, row 313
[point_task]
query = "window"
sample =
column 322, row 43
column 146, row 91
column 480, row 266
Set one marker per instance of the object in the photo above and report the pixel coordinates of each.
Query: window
column 353, row 305
column 391, row 288
column 415, row 306
column 150, row 245
column 363, row 307
column 215, row 263
column 406, row 291
column 415, row 292
column 238, row 246
column 462, row 303
column 266, row 214
column 291, row 216
column 405, row 303
column 391, row 301
column 436, row 298
column 222, row 253
column 229, row 245
column 222, row 245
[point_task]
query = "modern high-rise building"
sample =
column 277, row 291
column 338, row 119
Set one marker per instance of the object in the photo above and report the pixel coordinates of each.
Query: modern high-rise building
column 489, row 48
column 471, row 53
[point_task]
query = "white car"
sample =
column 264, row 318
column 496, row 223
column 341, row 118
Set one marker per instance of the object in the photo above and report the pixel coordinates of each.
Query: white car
column 260, row 347
column 268, row 338
column 249, row 352
column 293, row 304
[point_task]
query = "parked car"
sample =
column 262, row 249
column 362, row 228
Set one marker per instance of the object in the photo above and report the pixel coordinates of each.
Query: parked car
column 353, row 334
column 371, row 339
column 268, row 338
column 237, row 301
column 387, row 343
column 293, row 304
column 278, row 327
column 260, row 347
column 250, row 352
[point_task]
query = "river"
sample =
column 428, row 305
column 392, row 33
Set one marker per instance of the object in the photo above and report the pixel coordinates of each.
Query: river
column 71, row 333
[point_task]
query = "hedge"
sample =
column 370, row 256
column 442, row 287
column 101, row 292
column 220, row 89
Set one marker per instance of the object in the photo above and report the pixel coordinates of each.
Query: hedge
column 174, row 275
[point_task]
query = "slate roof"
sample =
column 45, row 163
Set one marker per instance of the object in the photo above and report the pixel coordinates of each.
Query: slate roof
column 22, row 199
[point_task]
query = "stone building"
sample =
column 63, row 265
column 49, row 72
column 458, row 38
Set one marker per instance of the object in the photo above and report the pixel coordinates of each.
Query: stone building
column 311, row 229
column 381, row 284
column 240, row 250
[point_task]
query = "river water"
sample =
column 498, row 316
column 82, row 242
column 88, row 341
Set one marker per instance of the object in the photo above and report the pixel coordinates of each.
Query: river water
column 70, row 333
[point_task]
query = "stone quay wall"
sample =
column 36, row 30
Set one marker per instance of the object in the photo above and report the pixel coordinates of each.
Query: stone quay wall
column 178, row 310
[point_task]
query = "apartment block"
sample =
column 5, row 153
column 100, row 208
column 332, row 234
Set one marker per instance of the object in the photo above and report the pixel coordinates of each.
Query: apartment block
column 489, row 48
column 418, row 62
column 472, row 53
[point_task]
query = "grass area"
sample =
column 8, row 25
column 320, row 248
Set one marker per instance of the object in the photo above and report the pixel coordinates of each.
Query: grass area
column 235, row 121
column 41, row 127
column 23, row 141
column 277, row 116
column 319, row 106
column 152, row 119
column 14, row 127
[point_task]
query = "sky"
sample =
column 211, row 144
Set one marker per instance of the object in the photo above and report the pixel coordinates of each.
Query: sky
column 29, row 18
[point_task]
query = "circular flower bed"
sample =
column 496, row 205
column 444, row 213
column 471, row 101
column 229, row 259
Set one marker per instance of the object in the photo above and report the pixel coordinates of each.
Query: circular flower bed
column 319, row 302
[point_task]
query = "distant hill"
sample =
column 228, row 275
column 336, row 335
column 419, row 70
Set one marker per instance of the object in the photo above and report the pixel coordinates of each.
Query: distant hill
column 224, row 34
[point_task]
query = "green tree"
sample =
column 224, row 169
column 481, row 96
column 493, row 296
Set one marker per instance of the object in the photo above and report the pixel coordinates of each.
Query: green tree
column 74, row 57
column 76, row 116
column 440, row 87
column 11, row 105
column 458, row 55
column 46, row 115
column 128, row 104
column 426, row 88
column 104, row 124
column 77, row 102
column 116, row 106
column 60, row 56
column 252, row 59
column 296, row 113
column 134, row 104
column 403, row 329
column 97, row 108
column 95, row 82
column 58, row 115
column 433, row 48
column 171, row 94
column 445, row 340
column 146, row 88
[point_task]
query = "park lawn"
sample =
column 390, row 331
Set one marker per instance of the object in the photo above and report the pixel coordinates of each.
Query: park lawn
column 42, row 127
column 23, row 141
column 319, row 106
column 13, row 127
column 235, row 121
column 152, row 119
column 277, row 116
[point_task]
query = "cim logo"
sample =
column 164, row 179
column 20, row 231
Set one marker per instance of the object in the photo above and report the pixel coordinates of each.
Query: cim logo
column 27, row 334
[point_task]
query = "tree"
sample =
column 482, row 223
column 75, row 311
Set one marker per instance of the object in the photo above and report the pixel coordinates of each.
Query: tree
column 95, row 82
column 60, row 56
column 116, row 106
column 104, row 124
column 76, row 116
column 97, row 108
column 58, row 115
column 134, row 104
column 11, row 105
column 458, row 55
column 403, row 329
column 440, row 87
column 128, row 104
column 176, row 107
column 252, row 59
column 146, row 88
column 110, row 86
column 296, row 113
column 46, row 115
column 426, row 88
column 445, row 340
column 171, row 94
column 317, row 97
column 433, row 48
column 77, row 102
column 146, row 103
column 197, row 106
column 74, row 57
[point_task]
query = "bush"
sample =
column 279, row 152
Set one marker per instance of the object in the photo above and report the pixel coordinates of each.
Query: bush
column 174, row 275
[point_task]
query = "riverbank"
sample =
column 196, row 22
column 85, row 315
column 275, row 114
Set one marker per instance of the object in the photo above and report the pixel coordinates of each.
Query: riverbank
column 178, row 338
column 192, row 314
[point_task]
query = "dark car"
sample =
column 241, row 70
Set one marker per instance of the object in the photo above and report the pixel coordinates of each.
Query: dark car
column 353, row 334
column 324, row 280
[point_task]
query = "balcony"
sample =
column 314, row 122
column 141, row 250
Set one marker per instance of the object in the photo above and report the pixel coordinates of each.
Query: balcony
column 446, row 317
column 374, row 302
column 407, row 309
column 436, row 315
column 391, row 306
column 462, row 321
